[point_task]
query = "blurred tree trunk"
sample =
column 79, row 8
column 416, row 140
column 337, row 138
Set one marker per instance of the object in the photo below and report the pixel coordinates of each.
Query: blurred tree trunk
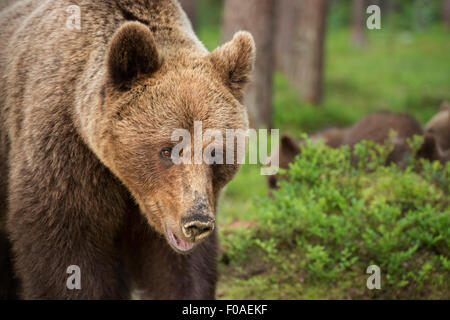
column 190, row 7
column 255, row 16
column 358, row 22
column 446, row 12
column 308, row 50
column 286, row 23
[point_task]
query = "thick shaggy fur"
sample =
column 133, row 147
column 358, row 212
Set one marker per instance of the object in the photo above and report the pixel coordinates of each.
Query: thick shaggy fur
column 83, row 117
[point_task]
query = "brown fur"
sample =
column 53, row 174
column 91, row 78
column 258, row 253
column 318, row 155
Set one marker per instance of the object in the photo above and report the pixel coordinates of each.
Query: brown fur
column 377, row 127
column 432, row 151
column 439, row 126
column 84, row 115
column 374, row 127
column 332, row 137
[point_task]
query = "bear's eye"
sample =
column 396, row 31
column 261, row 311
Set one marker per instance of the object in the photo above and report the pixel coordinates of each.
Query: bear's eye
column 166, row 153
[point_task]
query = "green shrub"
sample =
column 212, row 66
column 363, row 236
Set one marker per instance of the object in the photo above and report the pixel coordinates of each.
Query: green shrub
column 330, row 220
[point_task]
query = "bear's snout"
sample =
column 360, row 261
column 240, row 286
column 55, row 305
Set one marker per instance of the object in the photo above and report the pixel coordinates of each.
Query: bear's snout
column 197, row 227
column 199, row 221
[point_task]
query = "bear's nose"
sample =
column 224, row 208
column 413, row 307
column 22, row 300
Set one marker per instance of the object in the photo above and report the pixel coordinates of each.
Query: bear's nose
column 197, row 227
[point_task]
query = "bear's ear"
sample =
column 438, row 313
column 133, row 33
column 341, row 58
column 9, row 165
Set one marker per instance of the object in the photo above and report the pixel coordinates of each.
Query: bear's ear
column 132, row 52
column 234, row 61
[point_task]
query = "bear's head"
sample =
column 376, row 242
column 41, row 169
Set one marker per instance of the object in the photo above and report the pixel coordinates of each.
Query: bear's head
column 146, row 98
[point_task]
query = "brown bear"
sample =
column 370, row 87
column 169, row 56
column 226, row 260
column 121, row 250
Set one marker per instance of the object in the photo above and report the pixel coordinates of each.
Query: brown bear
column 87, row 109
column 374, row 127
column 377, row 127
column 439, row 126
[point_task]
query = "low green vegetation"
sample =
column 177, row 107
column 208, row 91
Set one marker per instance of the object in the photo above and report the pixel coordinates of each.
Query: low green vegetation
column 331, row 220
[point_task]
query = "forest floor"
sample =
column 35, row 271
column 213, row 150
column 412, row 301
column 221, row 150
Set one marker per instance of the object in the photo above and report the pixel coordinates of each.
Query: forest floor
column 397, row 71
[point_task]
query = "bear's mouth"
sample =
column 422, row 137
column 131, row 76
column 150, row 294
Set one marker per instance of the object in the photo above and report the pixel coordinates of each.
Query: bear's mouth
column 177, row 243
